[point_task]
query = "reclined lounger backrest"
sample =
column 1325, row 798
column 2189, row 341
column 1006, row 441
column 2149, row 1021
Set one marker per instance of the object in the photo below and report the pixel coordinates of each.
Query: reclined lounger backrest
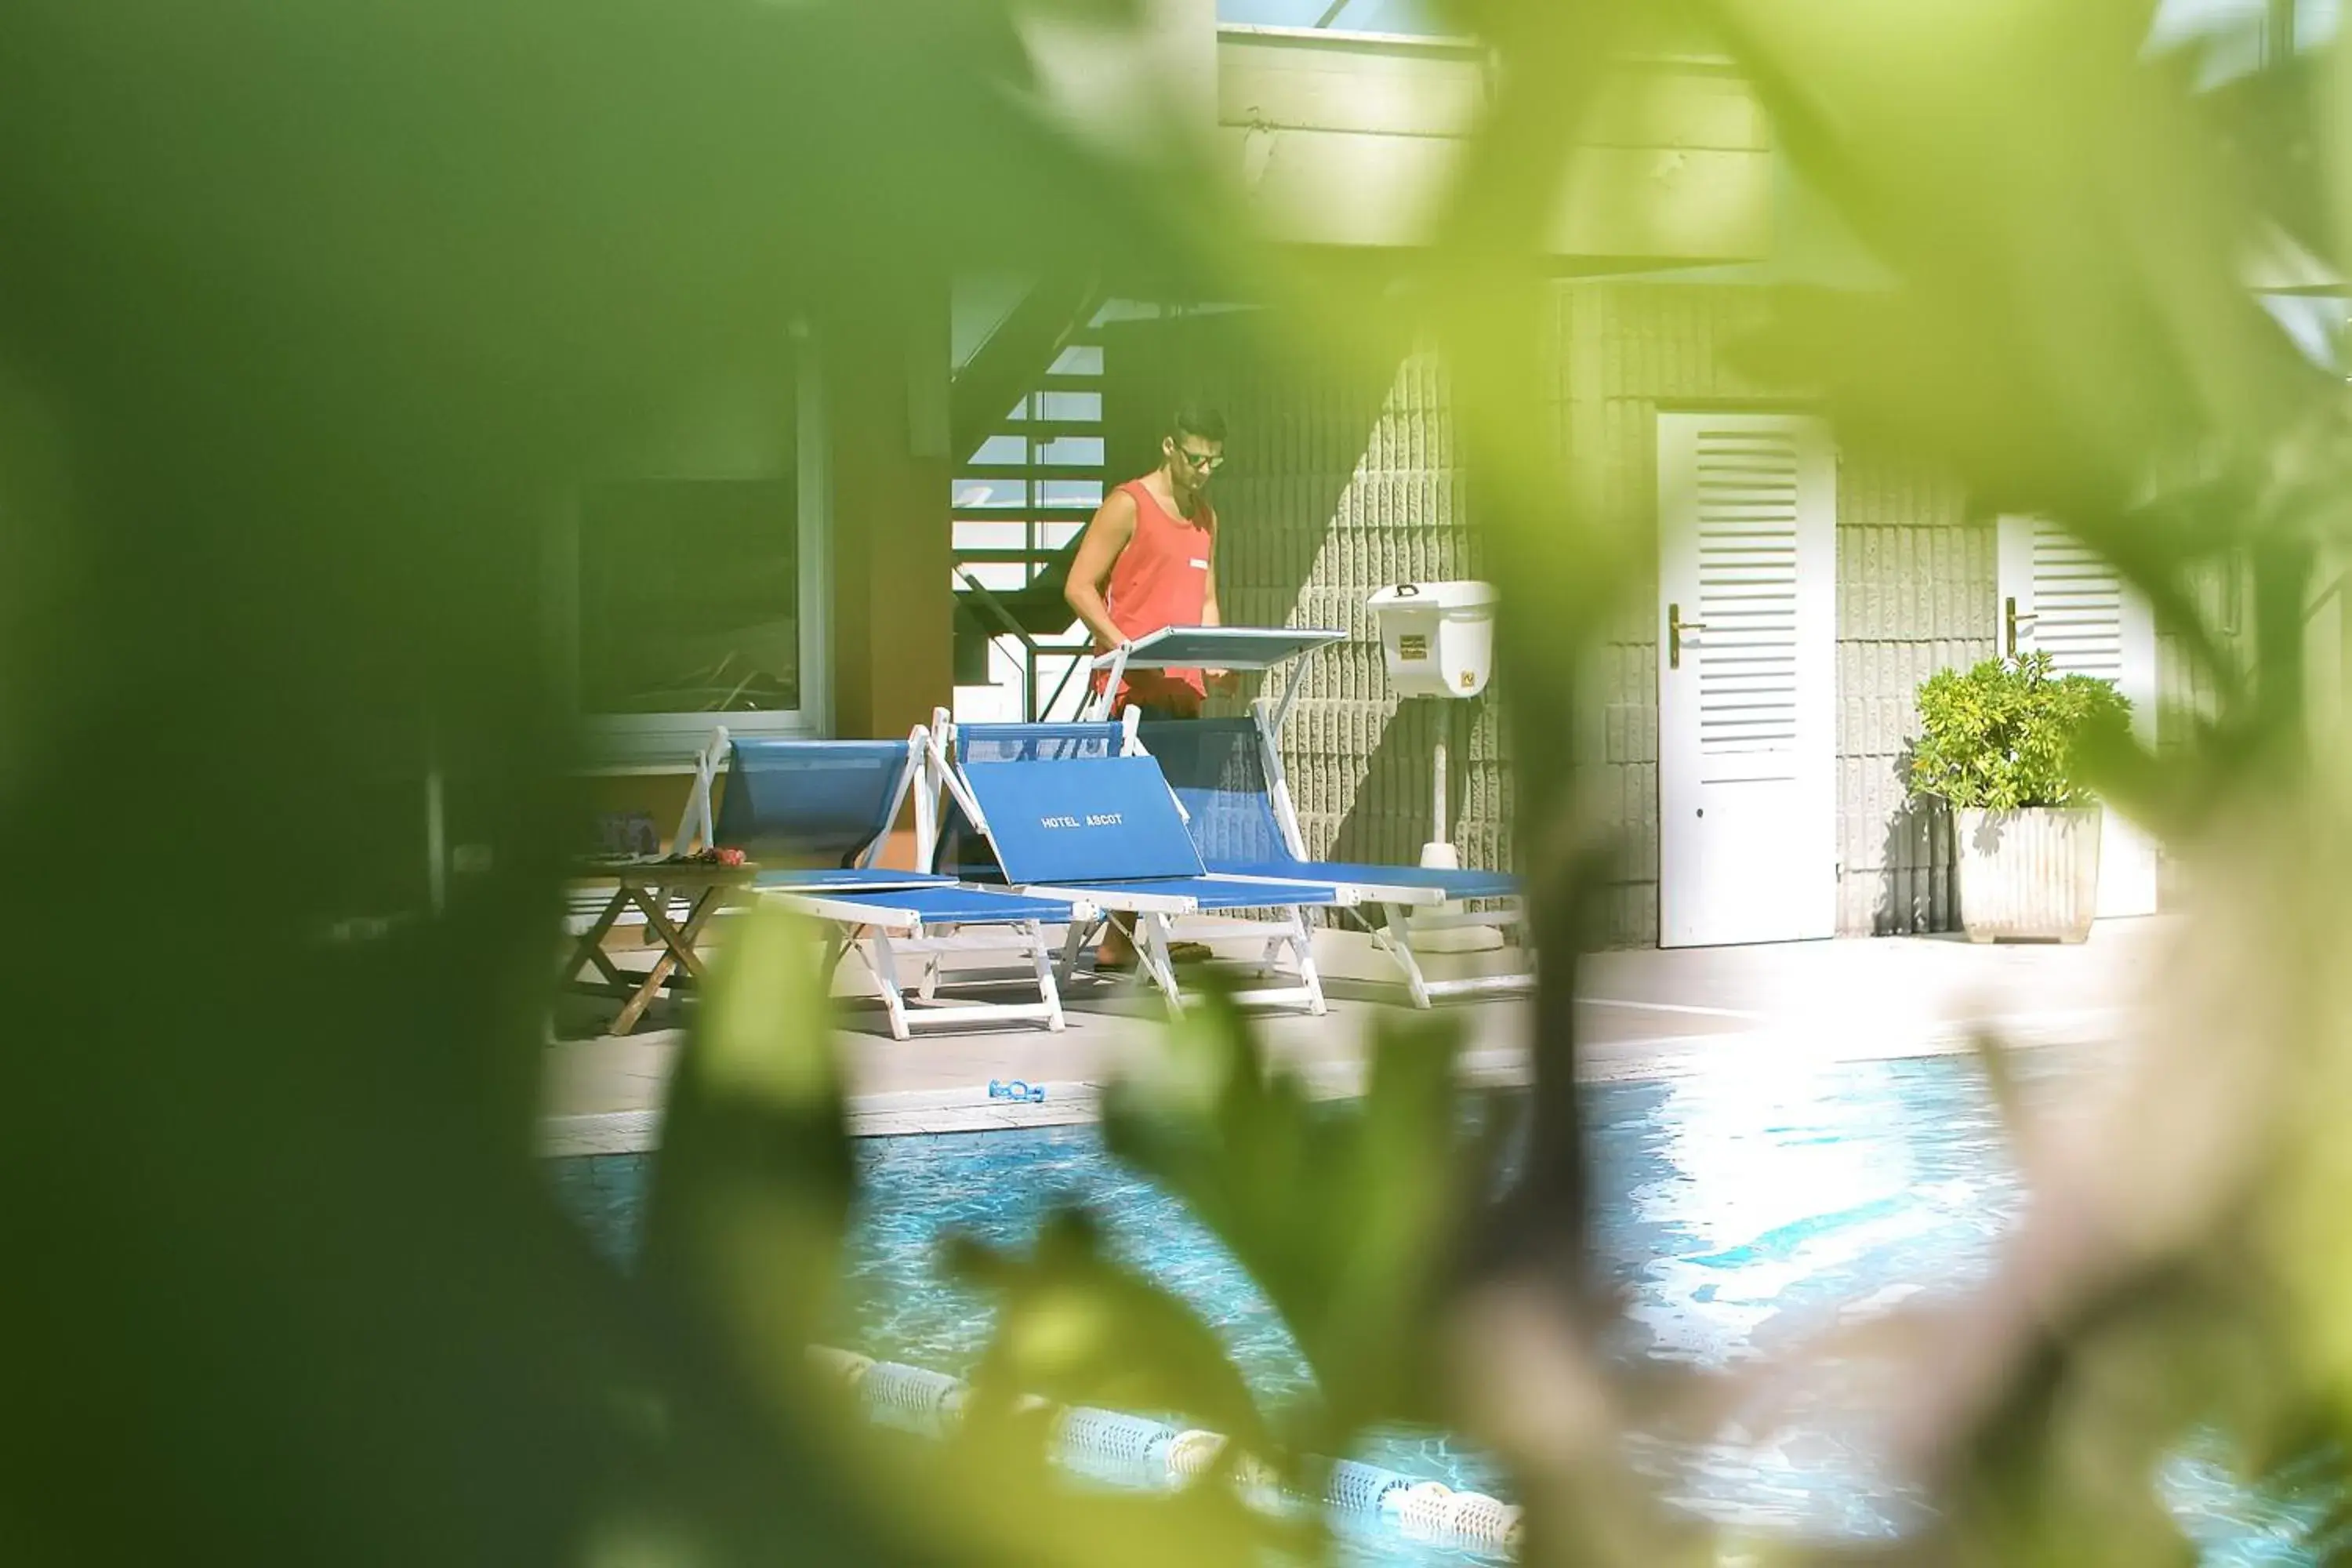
column 1037, row 743
column 1218, row 770
column 961, row 851
column 812, row 800
column 1090, row 820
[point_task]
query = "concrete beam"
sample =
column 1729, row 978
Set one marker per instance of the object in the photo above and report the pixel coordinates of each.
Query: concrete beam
column 1440, row 88
column 1353, row 141
column 1344, row 188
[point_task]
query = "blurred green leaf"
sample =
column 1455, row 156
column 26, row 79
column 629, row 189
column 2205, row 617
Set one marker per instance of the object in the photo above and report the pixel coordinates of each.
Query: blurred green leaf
column 751, row 1193
column 990, row 1497
column 1076, row 1326
column 1343, row 1214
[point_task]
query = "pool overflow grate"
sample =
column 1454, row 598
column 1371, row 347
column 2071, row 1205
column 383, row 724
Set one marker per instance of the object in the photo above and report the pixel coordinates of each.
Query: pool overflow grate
column 1353, row 1487
column 1110, row 1446
column 1132, row 1450
column 927, row 1403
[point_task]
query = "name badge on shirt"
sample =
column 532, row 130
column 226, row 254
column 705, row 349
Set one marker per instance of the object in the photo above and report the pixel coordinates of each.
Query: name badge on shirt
column 1199, row 566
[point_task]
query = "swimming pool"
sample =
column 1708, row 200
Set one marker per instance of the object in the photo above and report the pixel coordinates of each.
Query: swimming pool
column 1742, row 1209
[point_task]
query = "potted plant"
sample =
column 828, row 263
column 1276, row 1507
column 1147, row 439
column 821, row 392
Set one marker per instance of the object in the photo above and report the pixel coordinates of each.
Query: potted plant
column 1998, row 743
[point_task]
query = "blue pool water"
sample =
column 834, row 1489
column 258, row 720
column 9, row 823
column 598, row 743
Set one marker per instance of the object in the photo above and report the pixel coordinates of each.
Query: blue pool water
column 1743, row 1210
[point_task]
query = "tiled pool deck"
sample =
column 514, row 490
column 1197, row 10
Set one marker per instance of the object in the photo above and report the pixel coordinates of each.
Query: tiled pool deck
column 1644, row 1015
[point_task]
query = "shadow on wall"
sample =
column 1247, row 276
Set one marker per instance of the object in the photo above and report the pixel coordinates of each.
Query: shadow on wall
column 1917, row 892
column 1298, row 429
column 1392, row 816
column 1340, row 479
column 1389, row 826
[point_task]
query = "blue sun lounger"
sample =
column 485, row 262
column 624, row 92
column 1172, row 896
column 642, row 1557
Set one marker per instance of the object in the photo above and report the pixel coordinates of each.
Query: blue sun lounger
column 813, row 800
column 1058, row 811
column 1227, row 773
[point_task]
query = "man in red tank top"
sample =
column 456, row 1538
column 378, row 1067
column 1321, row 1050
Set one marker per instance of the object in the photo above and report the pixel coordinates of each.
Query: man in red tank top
column 1149, row 560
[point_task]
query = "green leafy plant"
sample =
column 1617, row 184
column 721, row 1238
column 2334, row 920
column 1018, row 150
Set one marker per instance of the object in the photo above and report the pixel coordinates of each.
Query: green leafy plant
column 2008, row 734
column 1345, row 1214
column 281, row 422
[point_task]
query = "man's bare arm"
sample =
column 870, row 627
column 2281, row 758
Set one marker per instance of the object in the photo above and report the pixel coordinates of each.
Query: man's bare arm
column 1106, row 536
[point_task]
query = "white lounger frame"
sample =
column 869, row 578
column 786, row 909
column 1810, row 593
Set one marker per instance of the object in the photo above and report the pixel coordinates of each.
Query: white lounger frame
column 1402, row 909
column 1156, row 916
column 880, row 934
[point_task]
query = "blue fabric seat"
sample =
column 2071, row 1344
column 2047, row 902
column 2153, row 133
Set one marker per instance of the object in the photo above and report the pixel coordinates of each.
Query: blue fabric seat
column 1217, row 768
column 1217, row 892
column 791, row 879
column 948, row 905
column 1445, row 881
column 1059, row 742
column 791, row 799
column 805, row 800
column 1058, row 809
column 1238, row 812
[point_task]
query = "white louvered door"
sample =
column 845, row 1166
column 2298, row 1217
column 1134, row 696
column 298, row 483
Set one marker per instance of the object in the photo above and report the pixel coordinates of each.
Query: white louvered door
column 2065, row 599
column 1746, row 678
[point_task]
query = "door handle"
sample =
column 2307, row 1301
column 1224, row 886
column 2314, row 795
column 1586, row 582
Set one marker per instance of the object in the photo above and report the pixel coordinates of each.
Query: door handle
column 1676, row 627
column 2009, row 617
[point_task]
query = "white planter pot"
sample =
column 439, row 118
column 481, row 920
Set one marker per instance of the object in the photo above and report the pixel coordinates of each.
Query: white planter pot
column 2028, row 875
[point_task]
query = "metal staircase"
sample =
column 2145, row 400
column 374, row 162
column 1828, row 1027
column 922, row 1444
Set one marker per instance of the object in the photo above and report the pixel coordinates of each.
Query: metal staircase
column 1029, row 481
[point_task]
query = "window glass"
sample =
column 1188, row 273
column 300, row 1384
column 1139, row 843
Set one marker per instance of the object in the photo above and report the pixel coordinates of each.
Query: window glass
column 689, row 597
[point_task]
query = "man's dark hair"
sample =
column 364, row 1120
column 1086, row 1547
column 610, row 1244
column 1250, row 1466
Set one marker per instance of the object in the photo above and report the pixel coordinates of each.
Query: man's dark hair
column 1198, row 419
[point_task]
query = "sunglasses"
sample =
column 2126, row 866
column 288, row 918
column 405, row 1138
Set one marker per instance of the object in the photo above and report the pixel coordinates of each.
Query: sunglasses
column 1202, row 462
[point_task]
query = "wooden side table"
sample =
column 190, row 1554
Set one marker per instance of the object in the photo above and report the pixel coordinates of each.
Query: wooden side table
column 651, row 886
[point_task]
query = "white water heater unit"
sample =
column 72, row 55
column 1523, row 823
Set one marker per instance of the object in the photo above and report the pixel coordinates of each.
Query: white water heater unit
column 1438, row 638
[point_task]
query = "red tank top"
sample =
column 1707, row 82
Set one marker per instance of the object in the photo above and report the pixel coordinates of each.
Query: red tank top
column 1161, row 579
